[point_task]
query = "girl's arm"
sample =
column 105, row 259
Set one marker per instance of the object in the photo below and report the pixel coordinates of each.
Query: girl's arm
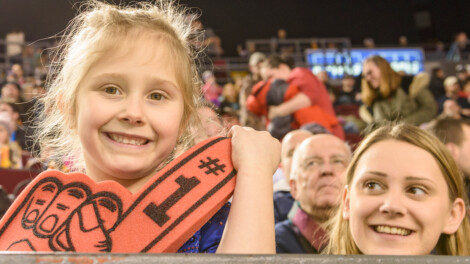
column 250, row 225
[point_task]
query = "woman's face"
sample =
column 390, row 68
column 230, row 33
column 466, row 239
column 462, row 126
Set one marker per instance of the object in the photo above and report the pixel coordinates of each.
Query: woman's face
column 398, row 201
column 371, row 72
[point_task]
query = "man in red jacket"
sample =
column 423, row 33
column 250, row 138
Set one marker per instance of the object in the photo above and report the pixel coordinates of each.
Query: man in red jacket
column 311, row 93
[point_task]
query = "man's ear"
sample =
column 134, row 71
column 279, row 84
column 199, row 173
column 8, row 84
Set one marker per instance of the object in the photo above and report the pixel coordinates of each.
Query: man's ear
column 345, row 200
column 456, row 215
column 15, row 116
column 453, row 149
column 293, row 188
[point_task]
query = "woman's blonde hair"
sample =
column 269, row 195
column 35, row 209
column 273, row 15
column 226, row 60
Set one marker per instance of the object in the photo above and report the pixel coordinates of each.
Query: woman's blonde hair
column 389, row 82
column 98, row 28
column 341, row 240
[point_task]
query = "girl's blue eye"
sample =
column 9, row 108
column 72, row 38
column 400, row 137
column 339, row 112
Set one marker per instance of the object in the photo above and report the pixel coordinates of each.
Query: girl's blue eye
column 156, row 96
column 111, row 90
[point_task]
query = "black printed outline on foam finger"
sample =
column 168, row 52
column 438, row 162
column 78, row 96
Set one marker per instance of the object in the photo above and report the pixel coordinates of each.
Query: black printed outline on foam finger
column 56, row 245
column 25, row 201
column 25, row 223
column 80, row 185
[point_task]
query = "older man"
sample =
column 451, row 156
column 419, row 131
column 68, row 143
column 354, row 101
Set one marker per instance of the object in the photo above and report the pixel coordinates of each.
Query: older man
column 283, row 199
column 316, row 183
column 455, row 134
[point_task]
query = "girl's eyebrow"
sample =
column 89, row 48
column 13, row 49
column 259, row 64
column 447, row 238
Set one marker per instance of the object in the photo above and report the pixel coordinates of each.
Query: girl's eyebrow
column 113, row 75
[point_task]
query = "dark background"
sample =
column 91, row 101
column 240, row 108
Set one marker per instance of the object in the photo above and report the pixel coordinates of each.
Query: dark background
column 422, row 21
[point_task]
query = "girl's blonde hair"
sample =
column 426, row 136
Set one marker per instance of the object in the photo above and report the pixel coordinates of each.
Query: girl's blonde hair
column 389, row 82
column 98, row 28
column 341, row 241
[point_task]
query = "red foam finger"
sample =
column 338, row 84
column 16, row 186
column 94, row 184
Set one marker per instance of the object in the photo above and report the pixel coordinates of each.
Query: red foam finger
column 85, row 216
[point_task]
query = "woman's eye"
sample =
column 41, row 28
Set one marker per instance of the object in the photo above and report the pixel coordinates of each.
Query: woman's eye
column 372, row 186
column 416, row 190
column 111, row 90
column 156, row 96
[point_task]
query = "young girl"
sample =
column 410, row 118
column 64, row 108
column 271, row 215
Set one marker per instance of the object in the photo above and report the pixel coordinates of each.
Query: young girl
column 404, row 196
column 123, row 99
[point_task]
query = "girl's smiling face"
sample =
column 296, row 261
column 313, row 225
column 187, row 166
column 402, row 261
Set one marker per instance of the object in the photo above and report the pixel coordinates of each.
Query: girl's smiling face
column 129, row 111
column 398, row 201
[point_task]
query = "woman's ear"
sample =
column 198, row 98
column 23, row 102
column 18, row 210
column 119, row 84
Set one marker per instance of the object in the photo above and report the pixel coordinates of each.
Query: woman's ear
column 456, row 215
column 345, row 200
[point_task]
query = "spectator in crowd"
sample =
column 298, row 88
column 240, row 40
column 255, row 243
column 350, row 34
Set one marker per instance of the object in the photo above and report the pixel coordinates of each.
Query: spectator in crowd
column 311, row 93
column 211, row 90
column 403, row 41
column 455, row 134
column 404, row 196
column 348, row 95
column 29, row 59
column 460, row 48
column 462, row 74
column 283, row 199
column 210, row 41
column 436, row 84
column 230, row 97
column 248, row 118
column 369, row 43
column 10, row 152
column 452, row 89
column 387, row 97
column 279, row 44
column 212, row 123
column 316, row 184
column 19, row 133
column 16, row 74
column 11, row 91
column 325, row 79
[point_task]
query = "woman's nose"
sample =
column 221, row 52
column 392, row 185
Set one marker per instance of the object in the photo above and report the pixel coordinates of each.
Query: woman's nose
column 393, row 205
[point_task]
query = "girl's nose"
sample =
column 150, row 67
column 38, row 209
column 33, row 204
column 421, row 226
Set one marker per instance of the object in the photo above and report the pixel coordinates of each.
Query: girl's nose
column 132, row 112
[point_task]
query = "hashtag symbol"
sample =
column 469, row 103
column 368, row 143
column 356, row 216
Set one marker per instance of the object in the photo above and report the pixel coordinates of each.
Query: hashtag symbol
column 212, row 166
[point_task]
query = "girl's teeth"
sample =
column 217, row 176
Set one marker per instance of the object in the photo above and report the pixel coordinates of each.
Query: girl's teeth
column 392, row 230
column 125, row 140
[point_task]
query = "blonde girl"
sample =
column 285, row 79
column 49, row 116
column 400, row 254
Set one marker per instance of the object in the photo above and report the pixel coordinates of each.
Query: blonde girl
column 122, row 97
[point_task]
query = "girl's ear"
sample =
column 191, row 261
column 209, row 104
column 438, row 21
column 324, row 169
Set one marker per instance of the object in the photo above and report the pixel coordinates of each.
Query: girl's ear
column 346, row 207
column 456, row 215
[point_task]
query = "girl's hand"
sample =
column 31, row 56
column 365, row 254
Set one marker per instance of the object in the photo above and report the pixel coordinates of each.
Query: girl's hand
column 250, row 225
column 254, row 150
